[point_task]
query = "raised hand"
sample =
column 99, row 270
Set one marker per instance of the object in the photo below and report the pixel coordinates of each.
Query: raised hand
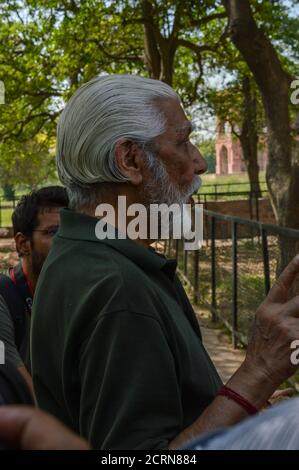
column 276, row 327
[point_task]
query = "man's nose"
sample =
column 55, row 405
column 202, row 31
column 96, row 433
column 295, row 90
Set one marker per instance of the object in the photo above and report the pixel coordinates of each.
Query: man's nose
column 200, row 163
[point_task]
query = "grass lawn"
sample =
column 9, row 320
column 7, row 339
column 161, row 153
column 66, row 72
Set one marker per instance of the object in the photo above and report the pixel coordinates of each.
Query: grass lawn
column 5, row 217
column 209, row 180
column 6, row 207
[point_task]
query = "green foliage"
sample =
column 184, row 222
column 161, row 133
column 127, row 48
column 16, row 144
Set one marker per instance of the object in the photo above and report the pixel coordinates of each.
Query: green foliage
column 208, row 151
column 8, row 192
column 48, row 49
column 30, row 163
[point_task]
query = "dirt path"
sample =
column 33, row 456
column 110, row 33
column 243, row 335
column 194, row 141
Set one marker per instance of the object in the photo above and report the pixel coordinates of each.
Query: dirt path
column 226, row 359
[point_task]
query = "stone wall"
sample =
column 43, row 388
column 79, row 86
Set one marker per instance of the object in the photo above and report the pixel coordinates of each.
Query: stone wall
column 239, row 209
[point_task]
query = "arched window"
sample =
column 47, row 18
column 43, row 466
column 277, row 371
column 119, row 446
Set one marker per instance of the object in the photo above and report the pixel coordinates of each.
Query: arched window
column 223, row 160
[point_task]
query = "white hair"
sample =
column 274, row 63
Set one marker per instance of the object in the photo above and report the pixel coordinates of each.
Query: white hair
column 97, row 116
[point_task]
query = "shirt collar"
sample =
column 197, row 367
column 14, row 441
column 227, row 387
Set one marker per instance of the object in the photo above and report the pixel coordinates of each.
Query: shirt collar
column 78, row 226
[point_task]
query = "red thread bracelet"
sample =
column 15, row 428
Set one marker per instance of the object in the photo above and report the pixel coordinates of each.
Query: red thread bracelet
column 232, row 395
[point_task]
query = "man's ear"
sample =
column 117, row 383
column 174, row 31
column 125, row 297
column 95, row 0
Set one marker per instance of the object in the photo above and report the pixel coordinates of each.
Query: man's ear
column 23, row 245
column 129, row 160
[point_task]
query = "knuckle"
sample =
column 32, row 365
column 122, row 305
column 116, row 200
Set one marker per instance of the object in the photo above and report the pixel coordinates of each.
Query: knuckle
column 261, row 311
column 295, row 302
column 284, row 330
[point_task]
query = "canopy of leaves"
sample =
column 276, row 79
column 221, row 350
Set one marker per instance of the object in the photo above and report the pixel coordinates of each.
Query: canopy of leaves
column 47, row 49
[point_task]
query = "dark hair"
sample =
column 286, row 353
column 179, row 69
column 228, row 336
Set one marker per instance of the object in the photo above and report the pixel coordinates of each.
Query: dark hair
column 25, row 215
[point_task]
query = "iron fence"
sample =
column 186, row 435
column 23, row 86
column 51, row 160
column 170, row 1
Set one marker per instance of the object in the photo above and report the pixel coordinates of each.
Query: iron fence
column 234, row 269
column 252, row 197
column 215, row 188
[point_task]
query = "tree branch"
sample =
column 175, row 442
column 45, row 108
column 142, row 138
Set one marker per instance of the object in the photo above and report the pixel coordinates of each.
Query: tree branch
column 177, row 20
column 195, row 48
column 207, row 19
column 120, row 56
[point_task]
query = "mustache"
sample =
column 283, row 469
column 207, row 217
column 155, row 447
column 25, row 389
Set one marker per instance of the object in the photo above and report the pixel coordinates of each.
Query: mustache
column 196, row 184
column 193, row 188
column 159, row 188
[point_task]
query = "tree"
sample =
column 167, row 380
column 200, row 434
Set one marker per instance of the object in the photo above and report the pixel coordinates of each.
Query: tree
column 29, row 163
column 207, row 149
column 177, row 38
column 249, row 134
column 47, row 50
column 274, row 84
column 238, row 104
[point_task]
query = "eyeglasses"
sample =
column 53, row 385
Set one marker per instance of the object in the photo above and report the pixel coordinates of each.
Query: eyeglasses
column 50, row 231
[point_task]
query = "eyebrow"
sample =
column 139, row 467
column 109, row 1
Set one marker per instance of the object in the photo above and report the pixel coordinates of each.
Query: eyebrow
column 49, row 227
column 187, row 127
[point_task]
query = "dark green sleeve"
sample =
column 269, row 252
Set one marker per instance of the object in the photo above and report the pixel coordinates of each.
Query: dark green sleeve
column 130, row 396
column 7, row 336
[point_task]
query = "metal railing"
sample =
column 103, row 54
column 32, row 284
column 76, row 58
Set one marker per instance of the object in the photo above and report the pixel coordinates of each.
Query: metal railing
column 230, row 195
column 231, row 274
column 215, row 187
column 252, row 197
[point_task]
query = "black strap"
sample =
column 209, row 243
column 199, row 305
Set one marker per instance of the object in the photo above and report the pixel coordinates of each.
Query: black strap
column 16, row 306
column 22, row 286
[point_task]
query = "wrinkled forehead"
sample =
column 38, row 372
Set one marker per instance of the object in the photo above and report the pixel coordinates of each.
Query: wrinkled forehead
column 176, row 121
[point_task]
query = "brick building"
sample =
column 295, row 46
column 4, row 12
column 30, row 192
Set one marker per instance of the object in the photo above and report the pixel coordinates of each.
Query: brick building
column 229, row 155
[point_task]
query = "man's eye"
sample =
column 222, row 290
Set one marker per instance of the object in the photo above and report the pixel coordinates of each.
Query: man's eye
column 52, row 231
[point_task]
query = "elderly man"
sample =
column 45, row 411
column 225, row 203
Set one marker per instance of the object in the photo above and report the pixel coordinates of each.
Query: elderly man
column 117, row 353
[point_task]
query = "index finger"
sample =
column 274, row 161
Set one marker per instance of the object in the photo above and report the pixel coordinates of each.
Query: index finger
column 13, row 421
column 279, row 292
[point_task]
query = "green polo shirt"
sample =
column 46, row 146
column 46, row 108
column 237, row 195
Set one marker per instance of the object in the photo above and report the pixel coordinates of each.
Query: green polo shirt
column 117, row 353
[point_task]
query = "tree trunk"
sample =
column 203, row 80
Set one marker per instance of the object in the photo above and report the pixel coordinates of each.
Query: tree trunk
column 151, row 51
column 168, row 49
column 249, row 137
column 274, row 84
column 159, row 51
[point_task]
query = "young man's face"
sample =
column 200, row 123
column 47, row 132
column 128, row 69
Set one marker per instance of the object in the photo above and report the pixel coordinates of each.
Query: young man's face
column 42, row 237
